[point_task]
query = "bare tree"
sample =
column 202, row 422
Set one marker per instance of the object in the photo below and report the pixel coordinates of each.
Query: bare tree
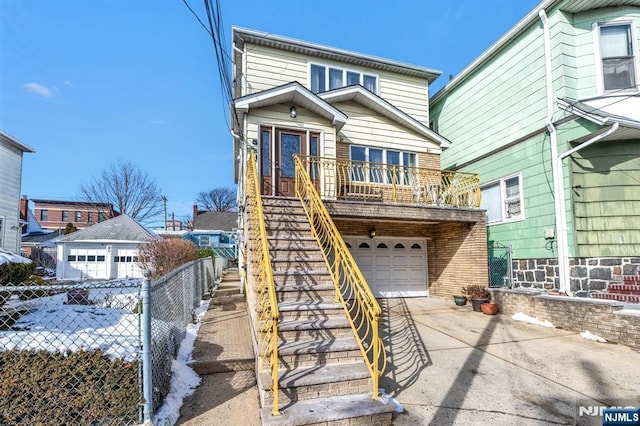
column 218, row 200
column 128, row 188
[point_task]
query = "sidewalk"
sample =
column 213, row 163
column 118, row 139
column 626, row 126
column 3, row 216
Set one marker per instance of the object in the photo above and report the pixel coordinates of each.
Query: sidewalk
column 223, row 358
column 447, row 365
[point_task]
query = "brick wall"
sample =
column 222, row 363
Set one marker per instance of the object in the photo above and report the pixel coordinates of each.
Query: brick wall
column 604, row 318
column 586, row 274
column 454, row 249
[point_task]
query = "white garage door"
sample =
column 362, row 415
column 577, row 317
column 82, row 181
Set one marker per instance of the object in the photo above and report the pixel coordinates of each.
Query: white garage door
column 86, row 263
column 393, row 267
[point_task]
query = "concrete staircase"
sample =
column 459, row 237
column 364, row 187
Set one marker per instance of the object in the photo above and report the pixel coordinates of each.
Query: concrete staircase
column 628, row 291
column 323, row 378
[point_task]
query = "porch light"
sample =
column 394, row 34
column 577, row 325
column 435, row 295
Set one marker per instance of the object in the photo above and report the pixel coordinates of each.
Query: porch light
column 293, row 113
column 372, row 231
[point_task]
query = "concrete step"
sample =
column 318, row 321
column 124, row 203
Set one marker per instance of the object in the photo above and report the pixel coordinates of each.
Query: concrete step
column 288, row 242
column 313, row 295
column 315, row 311
column 318, row 352
column 301, row 265
column 357, row 409
column 329, row 329
column 627, row 298
column 306, row 383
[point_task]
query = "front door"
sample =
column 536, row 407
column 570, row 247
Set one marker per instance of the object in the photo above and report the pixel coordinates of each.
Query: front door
column 288, row 143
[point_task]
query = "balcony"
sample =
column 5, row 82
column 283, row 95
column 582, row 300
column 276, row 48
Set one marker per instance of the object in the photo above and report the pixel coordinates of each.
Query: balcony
column 393, row 184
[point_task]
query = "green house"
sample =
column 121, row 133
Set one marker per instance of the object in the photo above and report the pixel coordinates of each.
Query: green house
column 549, row 117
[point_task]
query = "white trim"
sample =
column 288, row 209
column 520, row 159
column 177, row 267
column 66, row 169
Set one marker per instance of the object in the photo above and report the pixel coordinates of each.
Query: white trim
column 345, row 70
column 598, row 55
column 363, row 96
column 503, row 199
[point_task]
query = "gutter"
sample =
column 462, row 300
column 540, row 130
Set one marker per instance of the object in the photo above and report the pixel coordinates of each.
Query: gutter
column 557, row 168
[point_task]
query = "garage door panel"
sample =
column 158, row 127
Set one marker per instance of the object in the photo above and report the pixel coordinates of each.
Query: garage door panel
column 393, row 267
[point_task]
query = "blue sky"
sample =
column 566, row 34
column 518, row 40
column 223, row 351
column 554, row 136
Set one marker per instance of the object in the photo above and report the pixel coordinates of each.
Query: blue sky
column 88, row 83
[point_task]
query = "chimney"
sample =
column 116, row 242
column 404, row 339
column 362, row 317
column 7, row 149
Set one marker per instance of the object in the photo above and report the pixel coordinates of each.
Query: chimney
column 195, row 212
column 24, row 212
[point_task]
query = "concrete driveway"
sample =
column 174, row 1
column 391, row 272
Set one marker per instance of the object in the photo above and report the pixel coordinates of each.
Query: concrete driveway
column 453, row 366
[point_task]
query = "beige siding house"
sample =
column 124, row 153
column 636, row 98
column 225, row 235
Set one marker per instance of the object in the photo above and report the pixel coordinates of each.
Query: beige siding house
column 342, row 201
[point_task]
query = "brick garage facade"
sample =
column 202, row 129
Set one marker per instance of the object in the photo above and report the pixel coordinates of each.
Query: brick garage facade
column 456, row 238
column 586, row 274
column 604, row 318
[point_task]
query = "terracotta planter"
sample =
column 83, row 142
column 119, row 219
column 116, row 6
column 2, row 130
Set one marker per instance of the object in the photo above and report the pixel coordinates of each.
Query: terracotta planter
column 460, row 300
column 477, row 302
column 489, row 308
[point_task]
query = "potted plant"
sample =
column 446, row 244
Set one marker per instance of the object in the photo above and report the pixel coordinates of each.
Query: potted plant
column 489, row 308
column 460, row 300
column 478, row 295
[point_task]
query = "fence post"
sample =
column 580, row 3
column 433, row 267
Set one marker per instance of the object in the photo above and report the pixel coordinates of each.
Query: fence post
column 147, row 385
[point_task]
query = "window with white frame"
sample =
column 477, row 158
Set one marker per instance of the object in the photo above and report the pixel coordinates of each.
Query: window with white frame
column 325, row 78
column 391, row 167
column 502, row 199
column 617, row 57
column 204, row 241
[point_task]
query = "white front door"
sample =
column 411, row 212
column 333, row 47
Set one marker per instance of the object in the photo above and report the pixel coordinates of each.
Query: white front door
column 393, row 267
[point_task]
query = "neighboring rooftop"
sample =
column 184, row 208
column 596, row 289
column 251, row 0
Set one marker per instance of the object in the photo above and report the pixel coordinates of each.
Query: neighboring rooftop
column 119, row 228
column 216, row 221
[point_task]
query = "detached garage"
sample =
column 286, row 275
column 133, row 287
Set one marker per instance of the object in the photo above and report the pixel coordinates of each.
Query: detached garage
column 393, row 267
column 106, row 250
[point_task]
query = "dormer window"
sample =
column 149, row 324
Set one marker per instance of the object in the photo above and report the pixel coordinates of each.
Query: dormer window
column 325, row 78
column 617, row 57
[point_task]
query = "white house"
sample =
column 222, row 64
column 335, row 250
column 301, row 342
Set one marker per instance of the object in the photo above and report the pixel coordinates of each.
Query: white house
column 11, row 151
column 106, row 250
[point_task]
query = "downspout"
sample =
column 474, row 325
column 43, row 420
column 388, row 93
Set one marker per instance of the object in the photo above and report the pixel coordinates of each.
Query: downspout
column 556, row 168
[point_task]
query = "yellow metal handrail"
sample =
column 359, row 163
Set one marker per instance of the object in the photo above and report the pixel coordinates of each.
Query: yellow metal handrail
column 352, row 290
column 264, row 286
column 391, row 183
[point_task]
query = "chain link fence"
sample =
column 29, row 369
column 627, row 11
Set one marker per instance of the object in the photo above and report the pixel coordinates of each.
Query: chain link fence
column 500, row 266
column 93, row 353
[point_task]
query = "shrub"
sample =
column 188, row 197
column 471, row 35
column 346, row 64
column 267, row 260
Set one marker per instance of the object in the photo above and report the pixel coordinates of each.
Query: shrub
column 205, row 252
column 476, row 292
column 163, row 256
column 38, row 387
column 15, row 273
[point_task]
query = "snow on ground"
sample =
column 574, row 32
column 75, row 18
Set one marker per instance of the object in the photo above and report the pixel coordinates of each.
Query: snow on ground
column 519, row 316
column 590, row 336
column 52, row 325
column 110, row 325
column 183, row 379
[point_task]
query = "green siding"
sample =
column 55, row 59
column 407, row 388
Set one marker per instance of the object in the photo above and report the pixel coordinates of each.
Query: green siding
column 606, row 181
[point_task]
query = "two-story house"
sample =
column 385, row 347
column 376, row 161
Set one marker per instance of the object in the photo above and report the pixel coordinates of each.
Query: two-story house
column 56, row 214
column 342, row 200
column 11, row 152
column 549, row 117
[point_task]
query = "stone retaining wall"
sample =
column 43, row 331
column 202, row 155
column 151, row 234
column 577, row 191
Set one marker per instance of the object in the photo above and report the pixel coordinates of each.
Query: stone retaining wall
column 607, row 319
column 586, row 274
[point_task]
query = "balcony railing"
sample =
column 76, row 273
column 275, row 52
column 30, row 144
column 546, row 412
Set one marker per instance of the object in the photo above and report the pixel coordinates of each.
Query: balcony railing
column 390, row 183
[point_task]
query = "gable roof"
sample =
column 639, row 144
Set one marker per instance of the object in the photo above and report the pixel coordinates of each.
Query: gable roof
column 374, row 102
column 15, row 142
column 241, row 35
column 119, row 228
column 532, row 18
column 216, row 221
column 292, row 93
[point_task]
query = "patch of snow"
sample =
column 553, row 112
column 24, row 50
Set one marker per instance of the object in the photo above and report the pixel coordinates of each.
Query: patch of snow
column 184, row 380
column 590, row 336
column 519, row 316
column 7, row 256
